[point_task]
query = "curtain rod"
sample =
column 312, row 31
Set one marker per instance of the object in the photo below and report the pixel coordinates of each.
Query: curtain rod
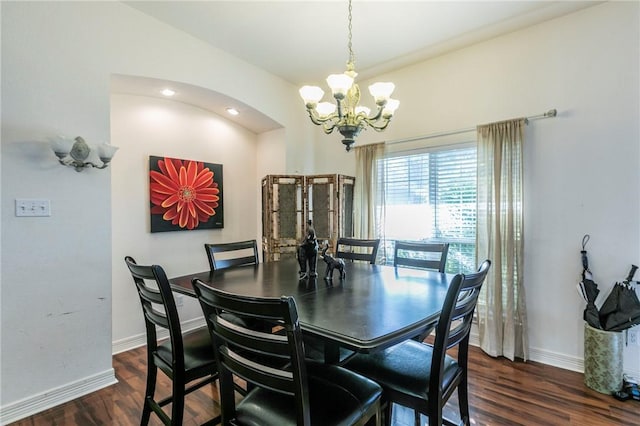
column 548, row 114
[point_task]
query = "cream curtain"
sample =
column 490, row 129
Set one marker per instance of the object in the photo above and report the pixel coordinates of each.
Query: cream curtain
column 365, row 190
column 499, row 237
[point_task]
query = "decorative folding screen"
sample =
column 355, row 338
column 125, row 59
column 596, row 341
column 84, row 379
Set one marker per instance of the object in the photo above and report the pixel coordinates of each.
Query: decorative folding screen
column 288, row 201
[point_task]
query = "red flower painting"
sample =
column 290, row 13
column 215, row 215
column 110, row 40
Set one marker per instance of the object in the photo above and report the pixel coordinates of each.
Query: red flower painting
column 185, row 194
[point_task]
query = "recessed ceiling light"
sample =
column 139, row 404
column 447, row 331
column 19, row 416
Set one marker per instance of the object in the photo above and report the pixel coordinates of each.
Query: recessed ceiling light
column 168, row 92
column 233, row 111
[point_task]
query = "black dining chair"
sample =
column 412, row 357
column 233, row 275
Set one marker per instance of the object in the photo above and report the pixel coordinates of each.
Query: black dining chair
column 432, row 256
column 428, row 256
column 231, row 255
column 187, row 359
column 227, row 255
column 357, row 249
column 421, row 376
column 285, row 388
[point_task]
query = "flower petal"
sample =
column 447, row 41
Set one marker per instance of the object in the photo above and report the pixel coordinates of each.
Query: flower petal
column 203, row 207
column 203, row 217
column 169, row 201
column 161, row 189
column 163, row 180
column 192, row 209
column 210, row 190
column 158, row 210
column 170, row 214
column 192, row 172
column 172, row 166
column 183, row 218
column 204, row 178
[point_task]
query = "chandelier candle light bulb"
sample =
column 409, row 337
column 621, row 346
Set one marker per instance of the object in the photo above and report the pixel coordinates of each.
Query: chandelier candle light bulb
column 346, row 114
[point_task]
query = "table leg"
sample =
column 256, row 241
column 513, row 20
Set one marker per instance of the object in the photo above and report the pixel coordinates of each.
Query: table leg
column 331, row 353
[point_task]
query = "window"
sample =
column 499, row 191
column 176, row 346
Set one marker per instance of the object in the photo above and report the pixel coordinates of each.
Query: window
column 430, row 196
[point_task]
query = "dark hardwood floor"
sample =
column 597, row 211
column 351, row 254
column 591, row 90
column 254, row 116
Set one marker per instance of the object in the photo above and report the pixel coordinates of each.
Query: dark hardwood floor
column 502, row 393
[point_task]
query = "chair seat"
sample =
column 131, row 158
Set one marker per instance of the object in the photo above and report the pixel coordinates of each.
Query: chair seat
column 337, row 397
column 404, row 368
column 198, row 351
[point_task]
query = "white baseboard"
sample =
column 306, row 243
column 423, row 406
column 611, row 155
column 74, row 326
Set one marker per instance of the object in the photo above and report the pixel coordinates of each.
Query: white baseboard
column 553, row 359
column 138, row 340
column 34, row 404
column 544, row 357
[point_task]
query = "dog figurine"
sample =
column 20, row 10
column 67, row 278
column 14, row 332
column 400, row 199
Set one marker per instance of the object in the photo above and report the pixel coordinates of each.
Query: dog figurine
column 332, row 264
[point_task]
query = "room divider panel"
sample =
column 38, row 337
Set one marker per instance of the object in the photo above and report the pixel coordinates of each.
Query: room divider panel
column 288, row 201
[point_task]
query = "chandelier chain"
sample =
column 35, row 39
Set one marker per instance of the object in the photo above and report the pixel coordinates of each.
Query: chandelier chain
column 350, row 44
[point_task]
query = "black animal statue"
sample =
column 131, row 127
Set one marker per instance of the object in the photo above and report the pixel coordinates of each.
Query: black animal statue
column 308, row 253
column 332, row 264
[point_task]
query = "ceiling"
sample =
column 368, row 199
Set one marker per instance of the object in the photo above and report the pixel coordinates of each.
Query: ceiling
column 304, row 41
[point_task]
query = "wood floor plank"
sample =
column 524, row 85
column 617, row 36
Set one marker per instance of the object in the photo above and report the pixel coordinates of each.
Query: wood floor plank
column 501, row 393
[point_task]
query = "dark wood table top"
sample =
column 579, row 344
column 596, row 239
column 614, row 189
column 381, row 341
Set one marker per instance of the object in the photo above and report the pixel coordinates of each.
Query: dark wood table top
column 374, row 307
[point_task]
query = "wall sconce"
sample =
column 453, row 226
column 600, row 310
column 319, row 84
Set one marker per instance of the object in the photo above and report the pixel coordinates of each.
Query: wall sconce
column 73, row 153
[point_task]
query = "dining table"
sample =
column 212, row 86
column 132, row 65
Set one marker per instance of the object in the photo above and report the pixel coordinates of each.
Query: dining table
column 373, row 307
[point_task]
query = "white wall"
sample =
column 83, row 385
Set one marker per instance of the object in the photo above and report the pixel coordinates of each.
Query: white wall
column 143, row 126
column 57, row 59
column 582, row 174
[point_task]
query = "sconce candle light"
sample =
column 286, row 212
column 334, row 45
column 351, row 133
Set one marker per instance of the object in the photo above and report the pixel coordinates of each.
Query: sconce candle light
column 74, row 153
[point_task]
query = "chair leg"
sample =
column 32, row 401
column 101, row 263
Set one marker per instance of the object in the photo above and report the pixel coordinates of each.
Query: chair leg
column 435, row 418
column 376, row 418
column 152, row 373
column 387, row 413
column 146, row 412
column 463, row 401
column 177, row 406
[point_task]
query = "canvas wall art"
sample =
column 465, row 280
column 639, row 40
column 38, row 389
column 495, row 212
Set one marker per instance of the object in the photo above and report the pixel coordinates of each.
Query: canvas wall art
column 185, row 195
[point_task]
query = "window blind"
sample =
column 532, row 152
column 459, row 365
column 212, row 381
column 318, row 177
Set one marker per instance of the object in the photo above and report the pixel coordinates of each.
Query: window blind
column 431, row 196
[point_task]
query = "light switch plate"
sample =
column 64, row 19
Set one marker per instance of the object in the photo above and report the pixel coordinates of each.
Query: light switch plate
column 33, row 207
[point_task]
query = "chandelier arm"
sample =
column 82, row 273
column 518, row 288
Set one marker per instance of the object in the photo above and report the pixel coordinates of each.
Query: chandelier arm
column 328, row 123
column 376, row 116
column 378, row 127
column 328, row 129
column 104, row 166
column 318, row 120
column 81, row 165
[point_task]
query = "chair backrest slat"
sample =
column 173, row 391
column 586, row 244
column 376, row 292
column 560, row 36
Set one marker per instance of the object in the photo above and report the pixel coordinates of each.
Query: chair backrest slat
column 246, row 252
column 421, row 255
column 253, row 340
column 357, row 249
column 274, row 379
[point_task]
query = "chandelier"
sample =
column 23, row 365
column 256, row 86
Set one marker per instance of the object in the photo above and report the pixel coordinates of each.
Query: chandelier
column 346, row 115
